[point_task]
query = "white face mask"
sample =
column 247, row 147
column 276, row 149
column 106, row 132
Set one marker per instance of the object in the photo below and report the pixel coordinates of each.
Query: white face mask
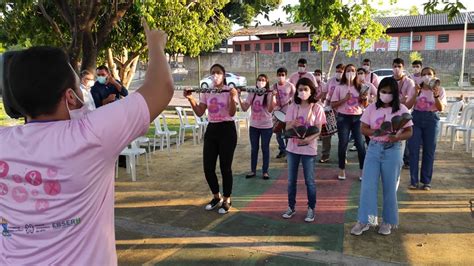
column 338, row 75
column 361, row 77
column 90, row 83
column 426, row 79
column 350, row 75
column 282, row 79
column 301, row 69
column 386, row 98
column 217, row 79
column 416, row 70
column 77, row 113
column 102, row 79
column 261, row 84
column 304, row 95
column 318, row 78
column 367, row 68
column 397, row 72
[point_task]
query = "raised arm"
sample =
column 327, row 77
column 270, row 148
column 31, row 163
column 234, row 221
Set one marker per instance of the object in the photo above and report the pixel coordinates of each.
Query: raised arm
column 157, row 89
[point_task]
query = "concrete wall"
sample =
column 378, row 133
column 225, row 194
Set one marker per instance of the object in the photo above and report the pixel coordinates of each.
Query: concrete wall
column 447, row 63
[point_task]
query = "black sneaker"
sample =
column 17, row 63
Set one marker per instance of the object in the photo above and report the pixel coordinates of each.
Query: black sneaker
column 251, row 175
column 282, row 154
column 225, row 207
column 266, row 176
column 215, row 202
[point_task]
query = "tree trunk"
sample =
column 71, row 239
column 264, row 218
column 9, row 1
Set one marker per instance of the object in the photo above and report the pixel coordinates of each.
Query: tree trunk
column 110, row 63
column 334, row 52
column 122, row 67
column 89, row 52
column 130, row 72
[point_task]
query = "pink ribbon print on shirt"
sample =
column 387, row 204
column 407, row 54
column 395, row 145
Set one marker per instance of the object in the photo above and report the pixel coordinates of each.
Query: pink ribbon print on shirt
column 34, row 185
column 352, row 104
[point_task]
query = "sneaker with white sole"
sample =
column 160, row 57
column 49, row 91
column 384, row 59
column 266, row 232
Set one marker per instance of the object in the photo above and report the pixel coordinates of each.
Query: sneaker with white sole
column 225, row 207
column 385, row 229
column 341, row 177
column 289, row 213
column 359, row 228
column 309, row 215
column 353, row 148
column 214, row 203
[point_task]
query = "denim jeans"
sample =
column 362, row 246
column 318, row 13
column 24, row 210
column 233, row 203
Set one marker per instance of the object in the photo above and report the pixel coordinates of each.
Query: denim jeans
column 347, row 124
column 326, row 151
column 255, row 135
column 281, row 142
column 308, row 169
column 383, row 160
column 425, row 133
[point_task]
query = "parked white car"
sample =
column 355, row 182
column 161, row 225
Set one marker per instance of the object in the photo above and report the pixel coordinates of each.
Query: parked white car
column 385, row 72
column 233, row 80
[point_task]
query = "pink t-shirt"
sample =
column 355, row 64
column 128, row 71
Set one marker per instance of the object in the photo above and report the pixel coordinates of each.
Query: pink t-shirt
column 426, row 101
column 297, row 76
column 284, row 96
column 375, row 79
column 317, row 118
column 417, row 79
column 406, row 88
column 57, row 185
column 259, row 117
column 218, row 105
column 351, row 106
column 330, row 87
column 375, row 117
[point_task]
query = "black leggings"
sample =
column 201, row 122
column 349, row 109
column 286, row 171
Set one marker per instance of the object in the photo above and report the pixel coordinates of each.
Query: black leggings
column 219, row 141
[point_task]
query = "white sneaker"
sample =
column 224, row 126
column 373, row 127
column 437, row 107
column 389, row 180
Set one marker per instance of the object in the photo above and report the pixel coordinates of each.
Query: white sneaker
column 289, row 213
column 385, row 229
column 360, row 178
column 359, row 228
column 353, row 148
column 309, row 216
column 341, row 177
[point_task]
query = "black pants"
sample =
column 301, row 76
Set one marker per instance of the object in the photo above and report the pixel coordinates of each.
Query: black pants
column 219, row 141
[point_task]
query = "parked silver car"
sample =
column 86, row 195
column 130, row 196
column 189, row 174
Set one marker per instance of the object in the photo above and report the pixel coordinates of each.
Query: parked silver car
column 233, row 80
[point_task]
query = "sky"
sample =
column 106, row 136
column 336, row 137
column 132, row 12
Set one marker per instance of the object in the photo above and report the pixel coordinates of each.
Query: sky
column 385, row 5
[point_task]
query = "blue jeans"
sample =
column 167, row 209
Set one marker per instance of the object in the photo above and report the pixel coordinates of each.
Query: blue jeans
column 384, row 161
column 281, row 142
column 425, row 133
column 347, row 124
column 308, row 169
column 255, row 134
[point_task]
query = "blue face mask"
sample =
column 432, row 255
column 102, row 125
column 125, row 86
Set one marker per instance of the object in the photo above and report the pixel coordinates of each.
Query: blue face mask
column 102, row 79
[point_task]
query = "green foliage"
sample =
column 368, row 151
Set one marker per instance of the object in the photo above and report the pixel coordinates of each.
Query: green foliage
column 415, row 56
column 242, row 12
column 413, row 11
column 452, row 8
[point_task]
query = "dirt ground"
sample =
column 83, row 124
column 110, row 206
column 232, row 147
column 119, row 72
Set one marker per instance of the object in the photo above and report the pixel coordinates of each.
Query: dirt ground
column 160, row 219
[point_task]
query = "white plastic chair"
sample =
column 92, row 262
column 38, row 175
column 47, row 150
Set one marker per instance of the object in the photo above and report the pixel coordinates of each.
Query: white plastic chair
column 184, row 125
column 131, row 155
column 202, row 122
column 144, row 141
column 466, row 125
column 162, row 131
column 242, row 116
column 451, row 117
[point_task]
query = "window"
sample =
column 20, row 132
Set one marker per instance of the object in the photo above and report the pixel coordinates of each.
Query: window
column 430, row 42
column 287, row 47
column 268, row 47
column 404, row 43
column 276, row 47
column 443, row 38
column 247, row 47
column 470, row 37
column 238, row 47
column 393, row 44
column 304, row 46
column 257, row 47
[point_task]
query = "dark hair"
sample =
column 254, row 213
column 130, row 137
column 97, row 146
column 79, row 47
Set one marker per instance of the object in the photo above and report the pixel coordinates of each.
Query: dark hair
column 282, row 70
column 393, row 84
column 318, row 71
column 302, row 61
column 366, row 60
column 102, row 67
column 340, row 66
column 398, row 61
column 417, row 62
column 310, row 84
column 344, row 80
column 85, row 73
column 362, row 69
column 49, row 75
column 223, row 71
column 267, row 88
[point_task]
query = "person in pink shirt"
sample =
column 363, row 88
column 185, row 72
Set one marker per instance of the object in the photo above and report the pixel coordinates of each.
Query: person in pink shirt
column 383, row 160
column 318, row 76
column 416, row 71
column 327, row 92
column 304, row 111
column 427, row 102
column 220, row 138
column 57, row 170
column 261, row 125
column 370, row 76
column 302, row 73
column 282, row 95
column 349, row 104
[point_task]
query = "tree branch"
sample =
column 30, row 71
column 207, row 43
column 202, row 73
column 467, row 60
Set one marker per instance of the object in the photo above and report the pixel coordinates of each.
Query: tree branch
column 118, row 11
column 64, row 11
column 52, row 22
